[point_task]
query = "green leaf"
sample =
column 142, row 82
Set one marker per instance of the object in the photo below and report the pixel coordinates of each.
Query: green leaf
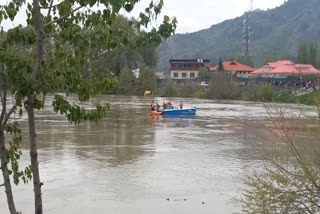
column 166, row 19
column 128, row 7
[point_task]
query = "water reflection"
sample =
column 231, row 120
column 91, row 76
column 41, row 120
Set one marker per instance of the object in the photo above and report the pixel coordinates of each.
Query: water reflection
column 172, row 121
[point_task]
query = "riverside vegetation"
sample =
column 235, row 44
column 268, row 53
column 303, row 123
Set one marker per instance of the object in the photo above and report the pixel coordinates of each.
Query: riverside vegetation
column 221, row 86
column 289, row 180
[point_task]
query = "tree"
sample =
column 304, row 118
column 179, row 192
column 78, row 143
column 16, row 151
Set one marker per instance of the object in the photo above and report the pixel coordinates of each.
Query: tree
column 12, row 58
column 204, row 74
column 220, row 65
column 313, row 54
column 149, row 55
column 221, row 86
column 147, row 80
column 134, row 53
column 61, row 35
column 303, row 55
column 169, row 89
column 127, row 82
column 3, row 150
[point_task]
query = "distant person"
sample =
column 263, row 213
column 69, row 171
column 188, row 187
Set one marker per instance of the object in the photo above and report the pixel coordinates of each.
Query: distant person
column 165, row 104
column 158, row 107
column 153, row 106
column 181, row 105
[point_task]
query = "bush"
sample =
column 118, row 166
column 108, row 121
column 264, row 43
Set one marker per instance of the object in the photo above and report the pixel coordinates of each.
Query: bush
column 169, row 89
column 201, row 93
column 284, row 96
column 249, row 94
column 265, row 93
column 221, row 86
column 186, row 92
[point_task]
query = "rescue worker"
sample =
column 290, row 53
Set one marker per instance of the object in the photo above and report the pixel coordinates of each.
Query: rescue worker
column 181, row 105
column 153, row 106
column 158, row 107
column 165, row 104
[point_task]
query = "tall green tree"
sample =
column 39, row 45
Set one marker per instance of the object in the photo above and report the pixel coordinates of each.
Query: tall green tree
column 313, row 54
column 61, row 36
column 169, row 89
column 221, row 86
column 133, row 52
column 147, row 80
column 204, row 74
column 303, row 53
column 13, row 58
column 220, row 65
column 127, row 82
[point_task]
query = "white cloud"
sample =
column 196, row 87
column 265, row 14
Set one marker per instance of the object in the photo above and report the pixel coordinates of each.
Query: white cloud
column 192, row 15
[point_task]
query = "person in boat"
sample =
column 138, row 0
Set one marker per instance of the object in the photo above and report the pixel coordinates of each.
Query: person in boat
column 158, row 107
column 165, row 104
column 181, row 105
column 153, row 106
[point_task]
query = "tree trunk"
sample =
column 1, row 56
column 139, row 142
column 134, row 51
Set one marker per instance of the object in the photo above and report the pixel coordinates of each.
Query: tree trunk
column 5, row 173
column 39, row 55
column 34, row 157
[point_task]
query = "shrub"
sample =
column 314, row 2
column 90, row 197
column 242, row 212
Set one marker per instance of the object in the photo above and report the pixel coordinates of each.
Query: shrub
column 265, row 93
column 201, row 93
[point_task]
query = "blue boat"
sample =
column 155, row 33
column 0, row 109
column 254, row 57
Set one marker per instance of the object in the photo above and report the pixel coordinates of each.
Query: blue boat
column 185, row 111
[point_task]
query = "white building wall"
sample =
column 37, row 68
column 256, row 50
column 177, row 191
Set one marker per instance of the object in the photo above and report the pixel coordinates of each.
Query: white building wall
column 179, row 74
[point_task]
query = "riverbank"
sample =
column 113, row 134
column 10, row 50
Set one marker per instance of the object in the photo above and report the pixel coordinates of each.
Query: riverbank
column 260, row 93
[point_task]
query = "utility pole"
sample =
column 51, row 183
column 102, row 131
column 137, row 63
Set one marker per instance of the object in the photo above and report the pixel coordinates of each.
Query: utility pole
column 247, row 36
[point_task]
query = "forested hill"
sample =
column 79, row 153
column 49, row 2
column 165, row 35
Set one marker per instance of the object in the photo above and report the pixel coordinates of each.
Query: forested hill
column 276, row 33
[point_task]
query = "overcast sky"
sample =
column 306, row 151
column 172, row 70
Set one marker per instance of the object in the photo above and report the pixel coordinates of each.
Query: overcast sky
column 192, row 15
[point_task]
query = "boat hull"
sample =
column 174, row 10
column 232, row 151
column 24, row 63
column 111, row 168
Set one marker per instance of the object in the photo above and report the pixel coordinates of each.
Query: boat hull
column 154, row 113
column 174, row 112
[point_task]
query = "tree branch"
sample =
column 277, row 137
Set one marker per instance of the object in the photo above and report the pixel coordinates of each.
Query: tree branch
column 50, row 7
column 62, row 17
column 7, row 116
column 1, row 185
column 4, row 104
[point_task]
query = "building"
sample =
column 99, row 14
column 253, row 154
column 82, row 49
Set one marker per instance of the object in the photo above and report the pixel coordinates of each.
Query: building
column 186, row 69
column 283, row 69
column 136, row 72
column 238, row 69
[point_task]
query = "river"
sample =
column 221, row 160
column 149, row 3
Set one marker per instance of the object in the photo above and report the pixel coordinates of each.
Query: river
column 130, row 163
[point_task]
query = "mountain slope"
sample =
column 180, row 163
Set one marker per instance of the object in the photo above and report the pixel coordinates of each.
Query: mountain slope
column 276, row 33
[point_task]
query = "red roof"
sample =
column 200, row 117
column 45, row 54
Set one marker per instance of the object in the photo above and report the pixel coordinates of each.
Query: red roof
column 286, row 67
column 233, row 66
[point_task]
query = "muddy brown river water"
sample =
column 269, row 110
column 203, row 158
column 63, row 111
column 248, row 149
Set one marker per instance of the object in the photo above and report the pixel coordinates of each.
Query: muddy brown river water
column 131, row 163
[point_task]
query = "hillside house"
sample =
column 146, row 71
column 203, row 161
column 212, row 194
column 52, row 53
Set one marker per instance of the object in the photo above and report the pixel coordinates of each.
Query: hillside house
column 186, row 69
column 238, row 69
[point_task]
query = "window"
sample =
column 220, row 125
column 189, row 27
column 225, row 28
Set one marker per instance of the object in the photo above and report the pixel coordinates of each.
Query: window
column 184, row 75
column 176, row 75
column 267, row 68
column 192, row 75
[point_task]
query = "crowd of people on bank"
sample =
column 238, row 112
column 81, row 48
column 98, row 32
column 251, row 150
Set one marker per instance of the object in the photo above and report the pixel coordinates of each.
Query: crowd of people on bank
column 167, row 104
